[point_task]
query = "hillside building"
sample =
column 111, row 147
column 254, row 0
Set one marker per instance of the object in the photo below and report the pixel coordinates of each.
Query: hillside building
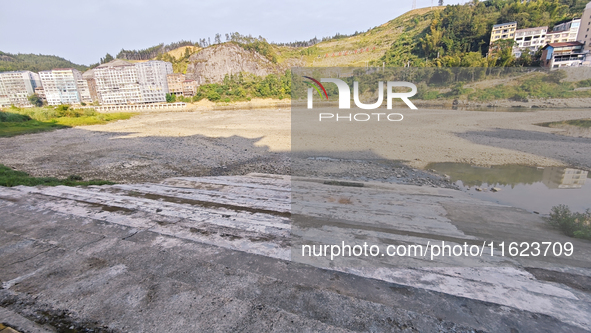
column 152, row 79
column 529, row 40
column 61, row 85
column 41, row 93
column 190, row 88
column 122, row 82
column 178, row 85
column 15, row 87
column 564, row 32
column 88, row 76
column 567, row 54
column 175, row 83
column 503, row 31
column 584, row 34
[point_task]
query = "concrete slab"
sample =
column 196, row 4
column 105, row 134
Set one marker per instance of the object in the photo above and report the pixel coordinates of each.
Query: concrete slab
column 196, row 254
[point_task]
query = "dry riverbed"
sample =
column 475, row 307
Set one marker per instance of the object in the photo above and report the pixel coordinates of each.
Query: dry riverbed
column 155, row 146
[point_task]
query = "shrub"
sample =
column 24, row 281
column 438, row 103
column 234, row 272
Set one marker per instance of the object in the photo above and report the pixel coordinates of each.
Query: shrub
column 9, row 117
column 571, row 224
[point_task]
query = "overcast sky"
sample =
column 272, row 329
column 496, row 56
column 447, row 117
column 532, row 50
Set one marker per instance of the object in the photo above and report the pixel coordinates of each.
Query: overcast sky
column 83, row 31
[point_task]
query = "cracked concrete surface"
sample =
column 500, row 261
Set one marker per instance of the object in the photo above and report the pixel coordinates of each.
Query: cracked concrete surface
column 213, row 254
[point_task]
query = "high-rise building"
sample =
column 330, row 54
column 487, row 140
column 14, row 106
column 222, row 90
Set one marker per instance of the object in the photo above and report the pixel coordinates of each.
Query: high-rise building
column 61, row 85
column 122, row 82
column 584, row 34
column 152, row 79
column 15, row 87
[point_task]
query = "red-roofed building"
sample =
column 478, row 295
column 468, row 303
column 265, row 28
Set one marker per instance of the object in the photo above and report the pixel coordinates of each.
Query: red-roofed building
column 566, row 54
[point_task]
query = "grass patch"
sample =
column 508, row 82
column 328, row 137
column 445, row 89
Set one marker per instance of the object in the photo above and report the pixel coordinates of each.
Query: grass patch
column 17, row 121
column 9, row 178
column 575, row 224
column 584, row 123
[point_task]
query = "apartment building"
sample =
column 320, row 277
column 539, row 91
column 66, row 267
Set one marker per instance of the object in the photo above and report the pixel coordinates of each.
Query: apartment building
column 122, row 82
column 175, row 83
column 61, row 85
column 88, row 76
column 41, row 93
column 190, row 88
column 584, row 34
column 529, row 40
column 566, row 54
column 503, row 31
column 15, row 87
column 117, row 83
column 152, row 79
column 564, row 32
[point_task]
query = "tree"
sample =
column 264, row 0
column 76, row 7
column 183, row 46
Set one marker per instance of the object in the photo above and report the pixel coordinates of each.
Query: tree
column 440, row 2
column 170, row 98
column 35, row 100
column 218, row 38
column 106, row 59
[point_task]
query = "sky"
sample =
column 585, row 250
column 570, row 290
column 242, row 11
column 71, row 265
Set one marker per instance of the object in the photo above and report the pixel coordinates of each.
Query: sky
column 83, row 31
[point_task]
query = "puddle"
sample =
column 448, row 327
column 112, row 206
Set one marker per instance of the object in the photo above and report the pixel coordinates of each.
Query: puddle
column 530, row 188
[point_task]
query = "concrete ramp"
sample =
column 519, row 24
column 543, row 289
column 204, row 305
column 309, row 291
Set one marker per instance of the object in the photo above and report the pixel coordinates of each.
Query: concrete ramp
column 192, row 230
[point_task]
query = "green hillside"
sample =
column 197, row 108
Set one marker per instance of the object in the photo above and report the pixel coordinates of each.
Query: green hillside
column 34, row 62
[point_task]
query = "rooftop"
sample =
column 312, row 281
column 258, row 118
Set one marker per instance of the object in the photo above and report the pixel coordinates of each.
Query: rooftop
column 502, row 24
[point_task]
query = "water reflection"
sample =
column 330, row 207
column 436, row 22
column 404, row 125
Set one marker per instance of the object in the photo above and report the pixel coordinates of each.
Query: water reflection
column 534, row 189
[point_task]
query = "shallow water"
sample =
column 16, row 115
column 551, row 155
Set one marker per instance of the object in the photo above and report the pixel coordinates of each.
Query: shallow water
column 530, row 188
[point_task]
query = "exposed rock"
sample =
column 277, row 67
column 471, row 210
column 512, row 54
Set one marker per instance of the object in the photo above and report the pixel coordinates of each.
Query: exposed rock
column 210, row 65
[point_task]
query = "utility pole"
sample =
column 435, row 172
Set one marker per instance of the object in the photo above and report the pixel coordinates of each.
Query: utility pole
column 414, row 4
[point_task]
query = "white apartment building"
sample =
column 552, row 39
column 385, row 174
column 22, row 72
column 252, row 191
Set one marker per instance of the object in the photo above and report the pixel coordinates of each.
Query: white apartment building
column 564, row 32
column 153, row 81
column 61, row 85
column 584, row 35
column 15, row 87
column 117, row 83
column 122, row 82
column 529, row 40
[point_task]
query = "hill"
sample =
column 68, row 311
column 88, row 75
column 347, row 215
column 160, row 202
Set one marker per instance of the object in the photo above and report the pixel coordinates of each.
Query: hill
column 34, row 62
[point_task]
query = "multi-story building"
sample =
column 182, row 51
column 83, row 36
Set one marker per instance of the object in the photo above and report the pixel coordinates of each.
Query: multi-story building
column 15, row 87
column 584, row 34
column 189, row 88
column 122, row 82
column 175, row 83
column 88, row 76
column 503, row 31
column 566, row 54
column 61, row 85
column 117, row 83
column 563, row 178
column 84, row 91
column 564, row 32
column 41, row 93
column 529, row 40
column 152, row 79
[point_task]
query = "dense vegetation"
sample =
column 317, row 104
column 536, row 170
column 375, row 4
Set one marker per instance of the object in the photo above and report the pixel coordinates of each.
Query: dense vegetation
column 9, row 178
column 459, row 35
column 572, row 224
column 16, row 121
column 243, row 87
column 34, row 62
column 152, row 52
